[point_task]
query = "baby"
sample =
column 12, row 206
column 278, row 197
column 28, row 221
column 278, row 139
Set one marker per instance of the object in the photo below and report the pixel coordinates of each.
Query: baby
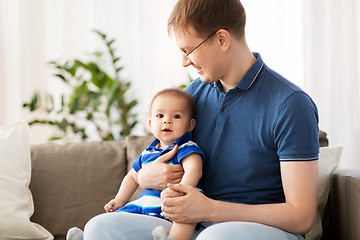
column 171, row 122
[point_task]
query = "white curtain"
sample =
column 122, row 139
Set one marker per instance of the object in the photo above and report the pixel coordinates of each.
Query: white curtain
column 332, row 71
column 37, row 31
column 314, row 43
column 275, row 29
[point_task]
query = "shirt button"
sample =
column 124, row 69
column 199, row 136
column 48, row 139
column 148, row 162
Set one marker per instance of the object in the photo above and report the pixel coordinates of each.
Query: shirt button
column 223, row 109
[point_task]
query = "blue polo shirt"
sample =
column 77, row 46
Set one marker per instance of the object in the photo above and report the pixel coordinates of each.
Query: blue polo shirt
column 246, row 132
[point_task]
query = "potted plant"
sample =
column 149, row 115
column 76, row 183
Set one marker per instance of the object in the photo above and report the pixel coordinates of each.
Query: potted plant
column 98, row 97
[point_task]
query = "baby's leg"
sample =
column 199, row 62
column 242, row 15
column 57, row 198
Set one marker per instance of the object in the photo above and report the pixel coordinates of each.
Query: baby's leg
column 181, row 231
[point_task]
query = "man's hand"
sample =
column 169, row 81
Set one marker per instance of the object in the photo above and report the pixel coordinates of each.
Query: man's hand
column 168, row 193
column 190, row 207
column 158, row 174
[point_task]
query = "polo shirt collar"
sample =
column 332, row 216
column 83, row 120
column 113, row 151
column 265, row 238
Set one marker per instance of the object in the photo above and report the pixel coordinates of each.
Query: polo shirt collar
column 251, row 75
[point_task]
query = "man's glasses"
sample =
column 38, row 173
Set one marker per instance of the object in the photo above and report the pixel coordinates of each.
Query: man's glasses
column 188, row 53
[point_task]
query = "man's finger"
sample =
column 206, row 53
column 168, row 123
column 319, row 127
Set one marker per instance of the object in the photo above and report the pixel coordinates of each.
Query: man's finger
column 179, row 188
column 169, row 155
column 176, row 177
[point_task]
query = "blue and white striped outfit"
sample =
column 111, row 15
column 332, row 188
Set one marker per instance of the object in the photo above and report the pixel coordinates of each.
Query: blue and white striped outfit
column 149, row 202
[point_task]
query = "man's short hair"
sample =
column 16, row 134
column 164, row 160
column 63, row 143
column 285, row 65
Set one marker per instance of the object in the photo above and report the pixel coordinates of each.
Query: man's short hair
column 207, row 16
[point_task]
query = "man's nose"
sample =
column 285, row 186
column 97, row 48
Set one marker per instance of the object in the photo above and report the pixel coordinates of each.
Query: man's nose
column 186, row 61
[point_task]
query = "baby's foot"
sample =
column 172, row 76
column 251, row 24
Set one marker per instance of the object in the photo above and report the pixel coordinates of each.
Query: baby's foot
column 75, row 234
column 160, row 233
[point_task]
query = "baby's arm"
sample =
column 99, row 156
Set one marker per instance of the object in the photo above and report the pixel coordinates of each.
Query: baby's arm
column 192, row 165
column 127, row 188
column 193, row 171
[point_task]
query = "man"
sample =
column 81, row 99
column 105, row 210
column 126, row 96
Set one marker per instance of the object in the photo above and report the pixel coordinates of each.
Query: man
column 259, row 133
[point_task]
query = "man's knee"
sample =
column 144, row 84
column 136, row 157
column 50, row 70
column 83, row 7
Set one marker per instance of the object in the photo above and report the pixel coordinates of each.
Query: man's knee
column 243, row 230
column 222, row 231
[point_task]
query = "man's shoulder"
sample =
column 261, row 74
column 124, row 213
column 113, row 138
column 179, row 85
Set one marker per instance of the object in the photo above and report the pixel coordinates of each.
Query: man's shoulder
column 198, row 88
column 277, row 80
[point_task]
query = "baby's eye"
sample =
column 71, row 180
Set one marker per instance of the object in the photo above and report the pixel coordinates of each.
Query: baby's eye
column 176, row 116
column 160, row 116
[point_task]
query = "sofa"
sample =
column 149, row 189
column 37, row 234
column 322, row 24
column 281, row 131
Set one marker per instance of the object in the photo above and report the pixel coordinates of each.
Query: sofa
column 70, row 183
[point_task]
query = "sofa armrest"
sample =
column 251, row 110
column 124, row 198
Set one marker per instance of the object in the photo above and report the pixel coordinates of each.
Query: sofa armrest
column 342, row 216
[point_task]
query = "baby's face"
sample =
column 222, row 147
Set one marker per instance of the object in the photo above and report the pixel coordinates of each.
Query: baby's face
column 170, row 118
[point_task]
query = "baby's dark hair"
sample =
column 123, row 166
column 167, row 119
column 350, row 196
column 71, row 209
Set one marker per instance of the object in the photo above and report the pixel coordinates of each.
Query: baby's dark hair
column 178, row 93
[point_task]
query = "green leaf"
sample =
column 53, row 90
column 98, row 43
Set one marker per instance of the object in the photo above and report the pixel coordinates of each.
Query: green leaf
column 119, row 69
column 131, row 104
column 59, row 75
column 109, row 43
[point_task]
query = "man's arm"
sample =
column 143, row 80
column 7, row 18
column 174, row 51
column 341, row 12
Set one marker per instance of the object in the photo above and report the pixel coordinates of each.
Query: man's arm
column 296, row 215
column 158, row 174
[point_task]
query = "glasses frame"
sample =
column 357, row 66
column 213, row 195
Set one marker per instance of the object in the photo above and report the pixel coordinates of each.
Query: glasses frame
column 186, row 54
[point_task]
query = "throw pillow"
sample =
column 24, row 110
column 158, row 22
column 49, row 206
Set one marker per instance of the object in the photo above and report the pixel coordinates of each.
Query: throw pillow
column 328, row 161
column 16, row 203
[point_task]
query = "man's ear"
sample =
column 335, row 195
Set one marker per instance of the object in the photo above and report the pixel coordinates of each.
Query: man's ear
column 192, row 124
column 149, row 123
column 223, row 38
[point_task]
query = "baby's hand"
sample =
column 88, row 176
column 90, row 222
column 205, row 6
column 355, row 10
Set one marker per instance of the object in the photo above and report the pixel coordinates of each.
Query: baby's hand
column 168, row 193
column 111, row 206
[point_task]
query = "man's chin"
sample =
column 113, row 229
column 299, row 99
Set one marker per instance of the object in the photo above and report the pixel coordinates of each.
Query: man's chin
column 205, row 79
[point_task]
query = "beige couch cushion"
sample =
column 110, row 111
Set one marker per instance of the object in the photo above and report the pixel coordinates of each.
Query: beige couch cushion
column 74, row 181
